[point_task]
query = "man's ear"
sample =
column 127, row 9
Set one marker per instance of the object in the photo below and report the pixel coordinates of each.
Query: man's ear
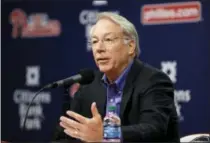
column 132, row 47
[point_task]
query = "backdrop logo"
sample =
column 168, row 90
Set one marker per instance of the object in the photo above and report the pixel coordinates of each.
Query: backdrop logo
column 170, row 69
column 88, row 19
column 23, row 97
column 32, row 76
column 34, row 25
column 180, row 95
column 179, row 12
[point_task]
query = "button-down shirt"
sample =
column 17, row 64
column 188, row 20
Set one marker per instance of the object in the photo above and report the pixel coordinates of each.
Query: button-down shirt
column 115, row 89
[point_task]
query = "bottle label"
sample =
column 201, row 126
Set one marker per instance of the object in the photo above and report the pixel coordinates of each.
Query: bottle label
column 112, row 132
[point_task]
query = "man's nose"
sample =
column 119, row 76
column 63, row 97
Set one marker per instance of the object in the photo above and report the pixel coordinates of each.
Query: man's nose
column 100, row 47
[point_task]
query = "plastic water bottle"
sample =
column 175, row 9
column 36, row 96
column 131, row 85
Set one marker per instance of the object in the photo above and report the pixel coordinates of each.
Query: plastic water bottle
column 112, row 125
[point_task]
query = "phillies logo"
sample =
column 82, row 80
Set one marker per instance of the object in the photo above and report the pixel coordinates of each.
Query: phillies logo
column 34, row 25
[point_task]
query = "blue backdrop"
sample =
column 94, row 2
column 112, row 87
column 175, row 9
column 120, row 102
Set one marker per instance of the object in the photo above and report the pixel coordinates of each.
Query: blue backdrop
column 44, row 41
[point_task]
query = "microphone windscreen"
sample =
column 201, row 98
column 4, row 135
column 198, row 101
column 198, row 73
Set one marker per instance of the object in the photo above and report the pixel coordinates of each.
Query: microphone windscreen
column 87, row 76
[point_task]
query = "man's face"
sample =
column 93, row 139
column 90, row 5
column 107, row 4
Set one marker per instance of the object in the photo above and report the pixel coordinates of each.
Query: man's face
column 109, row 49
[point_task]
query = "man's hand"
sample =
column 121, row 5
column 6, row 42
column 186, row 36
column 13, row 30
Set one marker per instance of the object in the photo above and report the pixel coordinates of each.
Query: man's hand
column 85, row 129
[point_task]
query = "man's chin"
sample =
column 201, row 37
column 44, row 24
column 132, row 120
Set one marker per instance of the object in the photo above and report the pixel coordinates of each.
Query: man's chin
column 104, row 69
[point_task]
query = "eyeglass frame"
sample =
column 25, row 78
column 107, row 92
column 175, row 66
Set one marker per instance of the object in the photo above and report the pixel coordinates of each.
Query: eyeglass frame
column 112, row 40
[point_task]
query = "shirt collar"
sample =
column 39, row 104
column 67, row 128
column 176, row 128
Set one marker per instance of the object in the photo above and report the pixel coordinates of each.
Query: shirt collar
column 120, row 81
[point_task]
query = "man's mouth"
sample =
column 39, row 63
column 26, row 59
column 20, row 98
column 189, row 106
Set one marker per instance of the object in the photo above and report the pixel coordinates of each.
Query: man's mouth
column 102, row 60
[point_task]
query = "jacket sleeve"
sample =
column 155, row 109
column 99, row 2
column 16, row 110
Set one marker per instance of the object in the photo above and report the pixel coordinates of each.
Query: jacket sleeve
column 155, row 106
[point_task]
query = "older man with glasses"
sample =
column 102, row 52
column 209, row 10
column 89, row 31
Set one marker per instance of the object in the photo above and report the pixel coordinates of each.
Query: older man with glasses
column 144, row 95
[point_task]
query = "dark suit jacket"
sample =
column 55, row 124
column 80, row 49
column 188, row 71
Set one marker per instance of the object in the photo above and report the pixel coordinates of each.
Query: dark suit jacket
column 147, row 109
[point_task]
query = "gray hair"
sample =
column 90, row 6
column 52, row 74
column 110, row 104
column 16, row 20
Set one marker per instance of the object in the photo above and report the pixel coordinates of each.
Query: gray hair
column 127, row 27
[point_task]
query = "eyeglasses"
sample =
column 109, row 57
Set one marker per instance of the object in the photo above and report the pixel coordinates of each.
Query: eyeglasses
column 106, row 41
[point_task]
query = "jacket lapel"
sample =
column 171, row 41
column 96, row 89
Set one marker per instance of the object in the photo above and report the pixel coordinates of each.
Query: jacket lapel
column 100, row 95
column 101, row 100
column 125, row 98
column 129, row 86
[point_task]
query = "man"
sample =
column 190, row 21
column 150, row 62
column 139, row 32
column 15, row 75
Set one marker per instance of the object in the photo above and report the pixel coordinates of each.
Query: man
column 145, row 94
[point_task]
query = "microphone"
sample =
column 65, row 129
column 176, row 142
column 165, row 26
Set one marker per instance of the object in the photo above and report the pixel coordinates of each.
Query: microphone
column 85, row 76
